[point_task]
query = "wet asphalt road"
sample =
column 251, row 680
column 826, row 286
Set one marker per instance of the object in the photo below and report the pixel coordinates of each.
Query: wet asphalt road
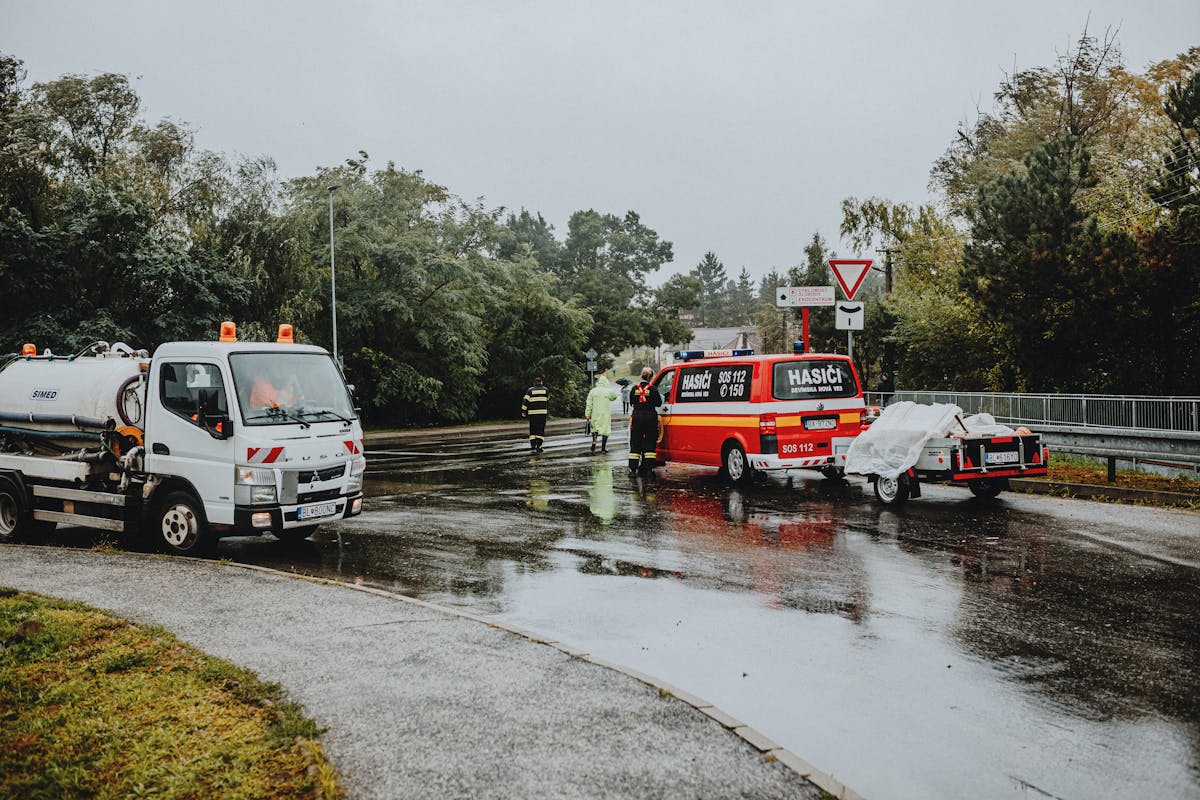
column 1027, row 648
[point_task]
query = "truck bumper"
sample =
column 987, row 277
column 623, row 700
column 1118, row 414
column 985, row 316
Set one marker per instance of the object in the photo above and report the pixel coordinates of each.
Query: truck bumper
column 249, row 520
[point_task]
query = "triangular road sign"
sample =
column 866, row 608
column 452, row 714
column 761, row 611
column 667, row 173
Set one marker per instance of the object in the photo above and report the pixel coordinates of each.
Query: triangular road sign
column 850, row 273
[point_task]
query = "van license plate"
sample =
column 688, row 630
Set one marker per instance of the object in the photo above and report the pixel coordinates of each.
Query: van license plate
column 319, row 510
column 1009, row 457
column 827, row 424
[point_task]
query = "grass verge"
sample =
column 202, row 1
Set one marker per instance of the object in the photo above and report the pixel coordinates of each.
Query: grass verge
column 1065, row 468
column 94, row 706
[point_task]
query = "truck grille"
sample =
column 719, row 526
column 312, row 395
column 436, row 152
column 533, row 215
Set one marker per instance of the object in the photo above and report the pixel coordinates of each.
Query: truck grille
column 314, row 497
column 327, row 474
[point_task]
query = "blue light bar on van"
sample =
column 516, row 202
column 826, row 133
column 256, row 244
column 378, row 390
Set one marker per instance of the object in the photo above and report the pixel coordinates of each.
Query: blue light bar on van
column 798, row 348
column 689, row 355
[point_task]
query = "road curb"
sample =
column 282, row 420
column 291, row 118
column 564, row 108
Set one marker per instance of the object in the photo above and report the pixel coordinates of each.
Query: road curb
column 469, row 433
column 1089, row 491
column 768, row 749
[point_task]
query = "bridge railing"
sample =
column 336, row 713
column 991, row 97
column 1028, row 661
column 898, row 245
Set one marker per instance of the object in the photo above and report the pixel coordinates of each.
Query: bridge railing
column 1130, row 412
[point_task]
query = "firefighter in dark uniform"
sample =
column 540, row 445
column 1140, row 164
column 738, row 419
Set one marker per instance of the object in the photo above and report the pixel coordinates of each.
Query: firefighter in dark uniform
column 535, row 407
column 644, row 401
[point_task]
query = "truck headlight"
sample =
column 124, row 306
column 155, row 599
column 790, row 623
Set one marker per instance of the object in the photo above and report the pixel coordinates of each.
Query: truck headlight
column 262, row 494
column 358, row 468
column 254, row 486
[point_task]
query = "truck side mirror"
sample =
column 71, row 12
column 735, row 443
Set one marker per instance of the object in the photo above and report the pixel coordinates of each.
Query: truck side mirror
column 211, row 416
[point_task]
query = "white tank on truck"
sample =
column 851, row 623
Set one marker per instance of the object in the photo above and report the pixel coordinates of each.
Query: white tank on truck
column 98, row 388
column 202, row 440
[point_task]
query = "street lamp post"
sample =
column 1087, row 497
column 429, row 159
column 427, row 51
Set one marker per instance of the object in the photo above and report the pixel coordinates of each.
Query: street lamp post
column 333, row 275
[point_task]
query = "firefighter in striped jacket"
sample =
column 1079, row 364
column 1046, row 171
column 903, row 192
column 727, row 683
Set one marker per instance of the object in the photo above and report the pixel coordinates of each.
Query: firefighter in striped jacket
column 535, row 407
column 644, row 401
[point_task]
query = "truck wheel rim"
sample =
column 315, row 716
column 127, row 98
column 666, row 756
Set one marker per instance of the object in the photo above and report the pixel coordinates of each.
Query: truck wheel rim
column 888, row 488
column 735, row 463
column 8, row 514
column 179, row 525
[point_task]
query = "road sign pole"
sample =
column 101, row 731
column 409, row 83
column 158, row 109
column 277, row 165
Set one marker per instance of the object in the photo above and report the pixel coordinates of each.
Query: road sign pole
column 850, row 343
column 804, row 326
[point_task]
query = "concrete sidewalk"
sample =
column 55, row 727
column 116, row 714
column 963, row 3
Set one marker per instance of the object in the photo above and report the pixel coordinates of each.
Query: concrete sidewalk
column 425, row 702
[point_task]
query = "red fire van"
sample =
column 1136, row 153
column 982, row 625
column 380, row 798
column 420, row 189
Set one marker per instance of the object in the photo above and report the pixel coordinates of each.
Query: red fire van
column 747, row 413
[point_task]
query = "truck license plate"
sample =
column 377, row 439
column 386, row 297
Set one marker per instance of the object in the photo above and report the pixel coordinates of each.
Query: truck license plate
column 319, row 510
column 1009, row 457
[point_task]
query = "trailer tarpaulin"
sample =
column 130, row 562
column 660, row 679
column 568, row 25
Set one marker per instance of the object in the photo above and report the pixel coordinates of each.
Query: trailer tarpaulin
column 893, row 442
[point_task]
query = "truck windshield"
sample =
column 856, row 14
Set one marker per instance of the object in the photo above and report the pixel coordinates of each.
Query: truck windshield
column 286, row 389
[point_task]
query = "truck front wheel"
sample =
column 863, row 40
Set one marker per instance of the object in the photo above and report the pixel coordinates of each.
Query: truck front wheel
column 181, row 526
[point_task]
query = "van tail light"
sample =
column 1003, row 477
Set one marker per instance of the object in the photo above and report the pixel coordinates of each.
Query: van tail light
column 766, row 425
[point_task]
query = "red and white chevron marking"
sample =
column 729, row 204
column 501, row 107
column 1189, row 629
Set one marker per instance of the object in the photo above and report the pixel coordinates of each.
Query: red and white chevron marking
column 263, row 455
column 355, row 447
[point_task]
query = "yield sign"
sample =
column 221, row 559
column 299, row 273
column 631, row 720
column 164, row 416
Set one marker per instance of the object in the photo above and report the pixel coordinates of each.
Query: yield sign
column 850, row 273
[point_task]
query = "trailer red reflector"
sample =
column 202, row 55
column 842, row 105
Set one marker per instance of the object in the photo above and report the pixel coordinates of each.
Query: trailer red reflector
column 1002, row 440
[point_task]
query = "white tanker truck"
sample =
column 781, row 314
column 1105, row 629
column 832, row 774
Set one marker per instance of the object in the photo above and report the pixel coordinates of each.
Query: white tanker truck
column 205, row 439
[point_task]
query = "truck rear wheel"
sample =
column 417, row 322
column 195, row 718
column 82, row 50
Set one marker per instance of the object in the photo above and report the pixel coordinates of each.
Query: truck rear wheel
column 16, row 518
column 180, row 525
column 892, row 491
column 737, row 466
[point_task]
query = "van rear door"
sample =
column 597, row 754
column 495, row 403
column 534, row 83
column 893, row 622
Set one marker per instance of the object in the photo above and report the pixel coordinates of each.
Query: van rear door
column 825, row 391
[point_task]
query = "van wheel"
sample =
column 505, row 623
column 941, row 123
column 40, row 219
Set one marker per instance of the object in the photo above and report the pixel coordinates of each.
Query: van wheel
column 296, row 534
column 737, row 466
column 987, row 488
column 892, row 491
column 16, row 519
column 180, row 524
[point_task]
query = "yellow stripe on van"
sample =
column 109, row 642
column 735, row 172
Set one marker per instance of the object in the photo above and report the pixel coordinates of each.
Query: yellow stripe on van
column 850, row 418
column 694, row 421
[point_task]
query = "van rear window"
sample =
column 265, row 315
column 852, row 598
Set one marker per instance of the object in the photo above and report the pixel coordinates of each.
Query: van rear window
column 813, row 380
column 714, row 384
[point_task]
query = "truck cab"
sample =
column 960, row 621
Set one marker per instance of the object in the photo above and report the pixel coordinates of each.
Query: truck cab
column 264, row 435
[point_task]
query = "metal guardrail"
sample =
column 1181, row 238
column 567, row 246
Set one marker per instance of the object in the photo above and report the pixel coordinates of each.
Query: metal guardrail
column 1153, row 430
column 1130, row 412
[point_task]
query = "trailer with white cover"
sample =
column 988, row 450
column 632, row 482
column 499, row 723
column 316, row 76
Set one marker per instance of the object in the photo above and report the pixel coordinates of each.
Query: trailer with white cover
column 205, row 439
column 912, row 443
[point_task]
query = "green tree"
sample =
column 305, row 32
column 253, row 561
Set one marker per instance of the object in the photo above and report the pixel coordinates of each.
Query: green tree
column 1048, row 276
column 710, row 273
column 606, row 262
column 742, row 298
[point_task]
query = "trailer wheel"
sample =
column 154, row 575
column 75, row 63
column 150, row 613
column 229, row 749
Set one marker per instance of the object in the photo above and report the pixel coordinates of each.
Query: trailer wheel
column 296, row 534
column 182, row 528
column 987, row 488
column 737, row 466
column 892, row 491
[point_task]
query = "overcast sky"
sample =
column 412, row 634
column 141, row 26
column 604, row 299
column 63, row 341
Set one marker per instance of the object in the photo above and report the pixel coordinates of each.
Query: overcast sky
column 736, row 127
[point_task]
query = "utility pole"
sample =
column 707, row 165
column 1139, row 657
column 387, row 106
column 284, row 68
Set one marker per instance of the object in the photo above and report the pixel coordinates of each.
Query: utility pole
column 333, row 276
column 889, row 349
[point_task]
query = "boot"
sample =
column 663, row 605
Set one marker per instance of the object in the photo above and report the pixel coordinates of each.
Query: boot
column 593, row 445
column 603, row 444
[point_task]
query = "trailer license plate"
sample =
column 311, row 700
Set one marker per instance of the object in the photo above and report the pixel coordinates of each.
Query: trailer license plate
column 1009, row 457
column 319, row 510
column 828, row 423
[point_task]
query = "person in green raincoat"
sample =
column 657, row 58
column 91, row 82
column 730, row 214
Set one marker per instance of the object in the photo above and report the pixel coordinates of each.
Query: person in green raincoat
column 599, row 412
